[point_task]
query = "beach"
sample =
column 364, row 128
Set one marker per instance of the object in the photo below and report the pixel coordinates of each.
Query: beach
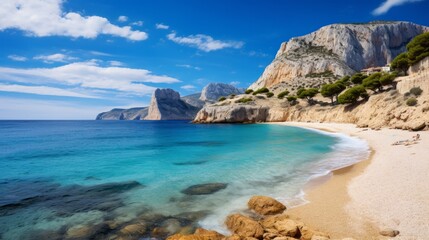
column 388, row 190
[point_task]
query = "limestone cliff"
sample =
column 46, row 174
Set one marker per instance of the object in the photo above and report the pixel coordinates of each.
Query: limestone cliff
column 167, row 105
column 124, row 114
column 337, row 50
column 213, row 91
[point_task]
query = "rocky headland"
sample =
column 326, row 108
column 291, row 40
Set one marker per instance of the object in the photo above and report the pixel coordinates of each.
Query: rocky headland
column 166, row 104
column 323, row 57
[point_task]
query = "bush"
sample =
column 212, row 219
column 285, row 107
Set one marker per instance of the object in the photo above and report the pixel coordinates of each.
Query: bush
column 373, row 82
column 411, row 101
column 400, row 63
column 307, row 93
column 357, row 78
column 418, row 48
column 248, row 91
column 352, row 95
column 261, row 90
column 283, row 94
column 292, row 99
column 269, row 94
column 332, row 90
column 222, row 99
column 416, row 91
column 387, row 79
column 244, row 100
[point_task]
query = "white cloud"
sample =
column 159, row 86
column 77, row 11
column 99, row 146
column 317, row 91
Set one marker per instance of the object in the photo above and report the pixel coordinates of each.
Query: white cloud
column 89, row 76
column 57, row 57
column 204, row 42
column 17, row 58
column 188, row 87
column 18, row 108
column 122, row 18
column 97, row 53
column 138, row 23
column 388, row 4
column 188, row 66
column 234, row 83
column 116, row 63
column 43, row 18
column 161, row 26
column 42, row 90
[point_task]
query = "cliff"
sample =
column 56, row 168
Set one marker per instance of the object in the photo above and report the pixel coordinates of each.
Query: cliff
column 337, row 50
column 167, row 105
column 213, row 91
column 123, row 114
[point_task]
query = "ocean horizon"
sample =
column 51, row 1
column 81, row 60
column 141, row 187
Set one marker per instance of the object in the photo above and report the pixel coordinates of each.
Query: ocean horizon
column 61, row 174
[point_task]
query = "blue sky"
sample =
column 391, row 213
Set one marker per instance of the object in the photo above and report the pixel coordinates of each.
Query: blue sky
column 72, row 59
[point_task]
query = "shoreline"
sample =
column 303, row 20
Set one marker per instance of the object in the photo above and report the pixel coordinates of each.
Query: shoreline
column 356, row 201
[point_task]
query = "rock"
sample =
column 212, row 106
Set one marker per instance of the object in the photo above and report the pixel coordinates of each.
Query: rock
column 268, row 222
column 244, row 226
column 167, row 105
column 389, row 232
column 123, row 114
column 284, row 238
column 232, row 114
column 171, row 226
column 233, row 237
column 213, row 91
column 319, row 238
column 338, row 50
column 79, row 232
column 265, row 205
column 134, row 229
column 286, row 227
column 204, row 189
column 200, row 234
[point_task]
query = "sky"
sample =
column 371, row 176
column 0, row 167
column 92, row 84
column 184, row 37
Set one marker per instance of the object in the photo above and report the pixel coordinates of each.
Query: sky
column 71, row 59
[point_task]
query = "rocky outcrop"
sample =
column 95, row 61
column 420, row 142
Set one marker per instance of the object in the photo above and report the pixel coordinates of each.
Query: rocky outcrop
column 265, row 205
column 204, row 189
column 232, row 114
column 337, row 50
column 213, row 91
column 124, row 114
column 418, row 76
column 167, row 105
column 244, row 226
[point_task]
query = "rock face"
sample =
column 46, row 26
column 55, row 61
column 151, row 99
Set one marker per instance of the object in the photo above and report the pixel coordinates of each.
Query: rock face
column 232, row 114
column 265, row 205
column 213, row 91
column 338, row 50
column 124, row 114
column 167, row 105
column 244, row 226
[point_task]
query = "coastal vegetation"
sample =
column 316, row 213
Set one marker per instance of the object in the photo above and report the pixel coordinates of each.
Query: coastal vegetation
column 411, row 101
column 222, row 99
column 283, row 94
column 307, row 93
column 417, row 50
column 261, row 90
column 352, row 95
column 244, row 100
column 416, row 91
column 248, row 91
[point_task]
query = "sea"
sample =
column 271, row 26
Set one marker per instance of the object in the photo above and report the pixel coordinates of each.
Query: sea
column 59, row 178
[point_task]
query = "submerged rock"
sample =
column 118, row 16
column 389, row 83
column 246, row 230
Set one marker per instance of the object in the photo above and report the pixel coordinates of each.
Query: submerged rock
column 265, row 205
column 204, row 189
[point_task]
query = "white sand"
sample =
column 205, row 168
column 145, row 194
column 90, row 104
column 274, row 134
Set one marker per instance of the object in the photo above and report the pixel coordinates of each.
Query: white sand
column 392, row 191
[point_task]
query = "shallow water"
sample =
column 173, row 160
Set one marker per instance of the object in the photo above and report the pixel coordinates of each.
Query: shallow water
column 59, row 174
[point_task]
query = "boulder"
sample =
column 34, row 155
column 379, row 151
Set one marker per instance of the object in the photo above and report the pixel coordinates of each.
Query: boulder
column 265, row 205
column 389, row 232
column 134, row 229
column 204, row 189
column 244, row 226
column 200, row 234
column 319, row 238
column 268, row 222
column 287, row 227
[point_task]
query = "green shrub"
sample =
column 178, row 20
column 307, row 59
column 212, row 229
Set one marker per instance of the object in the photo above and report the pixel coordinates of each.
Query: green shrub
column 244, row 100
column 332, row 90
column 248, row 91
column 418, row 48
column 269, row 94
column 307, row 93
column 357, row 78
column 292, row 99
column 411, row 101
column 222, row 99
column 373, row 82
column 283, row 94
column 416, row 91
column 261, row 90
column 400, row 63
column 353, row 94
column 387, row 79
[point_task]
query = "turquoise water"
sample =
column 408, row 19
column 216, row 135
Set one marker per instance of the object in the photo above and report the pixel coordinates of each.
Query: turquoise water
column 59, row 174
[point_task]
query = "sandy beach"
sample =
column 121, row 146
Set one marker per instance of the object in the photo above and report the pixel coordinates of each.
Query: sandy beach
column 389, row 190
